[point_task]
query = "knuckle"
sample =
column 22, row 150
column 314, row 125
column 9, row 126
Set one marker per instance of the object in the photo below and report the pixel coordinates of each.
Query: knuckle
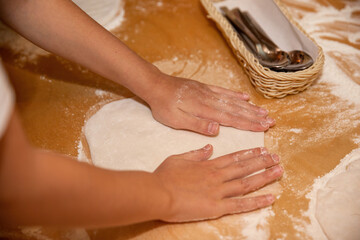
column 248, row 170
column 242, row 168
column 240, row 204
column 258, row 204
column 237, row 156
column 226, row 116
column 245, row 184
column 257, row 151
column 242, row 164
column 203, row 125
column 231, row 117
column 216, row 175
column 262, row 151
column 253, row 125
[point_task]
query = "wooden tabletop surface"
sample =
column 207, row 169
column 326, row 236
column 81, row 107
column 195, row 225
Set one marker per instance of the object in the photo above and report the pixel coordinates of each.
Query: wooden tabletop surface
column 315, row 129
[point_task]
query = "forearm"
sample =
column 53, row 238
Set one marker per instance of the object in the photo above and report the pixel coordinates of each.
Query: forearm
column 50, row 189
column 59, row 26
column 63, row 191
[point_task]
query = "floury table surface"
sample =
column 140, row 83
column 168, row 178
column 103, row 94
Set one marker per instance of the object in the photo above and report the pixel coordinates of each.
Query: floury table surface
column 314, row 130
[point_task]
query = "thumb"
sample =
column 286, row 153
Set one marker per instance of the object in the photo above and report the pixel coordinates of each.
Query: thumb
column 197, row 155
column 199, row 125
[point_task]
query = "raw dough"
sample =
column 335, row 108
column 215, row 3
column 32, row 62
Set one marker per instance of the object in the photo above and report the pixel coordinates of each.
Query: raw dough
column 123, row 135
column 338, row 203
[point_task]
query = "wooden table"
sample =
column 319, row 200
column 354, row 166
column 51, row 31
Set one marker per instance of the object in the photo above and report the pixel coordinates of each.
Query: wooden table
column 314, row 130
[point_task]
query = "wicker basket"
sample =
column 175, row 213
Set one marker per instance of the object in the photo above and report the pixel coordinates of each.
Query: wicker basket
column 270, row 83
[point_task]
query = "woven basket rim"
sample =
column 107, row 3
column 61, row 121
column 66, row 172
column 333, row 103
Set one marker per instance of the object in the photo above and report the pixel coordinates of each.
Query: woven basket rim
column 261, row 76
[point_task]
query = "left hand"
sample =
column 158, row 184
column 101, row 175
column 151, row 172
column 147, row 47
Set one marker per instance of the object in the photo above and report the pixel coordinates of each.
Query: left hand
column 186, row 104
column 206, row 189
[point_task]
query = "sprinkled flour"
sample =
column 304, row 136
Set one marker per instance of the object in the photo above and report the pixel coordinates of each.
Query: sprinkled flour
column 81, row 152
column 296, row 130
column 356, row 139
column 40, row 233
column 100, row 93
column 342, row 85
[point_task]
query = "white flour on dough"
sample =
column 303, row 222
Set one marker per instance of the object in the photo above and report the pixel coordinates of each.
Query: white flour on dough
column 123, row 135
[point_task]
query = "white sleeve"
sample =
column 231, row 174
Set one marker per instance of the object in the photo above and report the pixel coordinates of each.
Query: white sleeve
column 6, row 100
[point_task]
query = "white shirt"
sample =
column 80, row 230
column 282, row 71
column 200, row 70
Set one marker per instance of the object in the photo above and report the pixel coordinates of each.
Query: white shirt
column 108, row 13
column 7, row 100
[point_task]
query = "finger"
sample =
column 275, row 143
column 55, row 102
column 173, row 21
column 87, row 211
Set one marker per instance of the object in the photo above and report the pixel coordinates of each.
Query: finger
column 226, row 114
column 243, row 186
column 230, row 117
column 241, row 103
column 246, row 167
column 197, row 155
column 245, row 123
column 240, row 205
column 244, row 109
column 249, row 106
column 229, row 159
column 241, row 108
column 199, row 125
column 223, row 102
column 231, row 120
column 242, row 96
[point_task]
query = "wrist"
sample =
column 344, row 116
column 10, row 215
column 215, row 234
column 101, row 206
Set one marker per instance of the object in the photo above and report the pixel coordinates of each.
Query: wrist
column 150, row 83
column 140, row 77
column 165, row 201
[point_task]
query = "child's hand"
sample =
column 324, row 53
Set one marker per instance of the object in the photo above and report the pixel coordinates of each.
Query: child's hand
column 186, row 104
column 201, row 189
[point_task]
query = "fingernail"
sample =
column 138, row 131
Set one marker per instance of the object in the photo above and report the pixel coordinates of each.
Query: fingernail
column 270, row 198
column 265, row 124
column 207, row 147
column 263, row 151
column 270, row 120
column 245, row 95
column 275, row 158
column 263, row 111
column 213, row 128
column 276, row 170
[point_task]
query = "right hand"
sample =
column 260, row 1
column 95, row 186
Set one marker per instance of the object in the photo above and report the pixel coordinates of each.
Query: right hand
column 201, row 189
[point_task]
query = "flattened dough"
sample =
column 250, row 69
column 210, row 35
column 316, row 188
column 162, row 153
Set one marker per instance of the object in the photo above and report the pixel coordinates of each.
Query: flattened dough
column 123, row 135
column 338, row 203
